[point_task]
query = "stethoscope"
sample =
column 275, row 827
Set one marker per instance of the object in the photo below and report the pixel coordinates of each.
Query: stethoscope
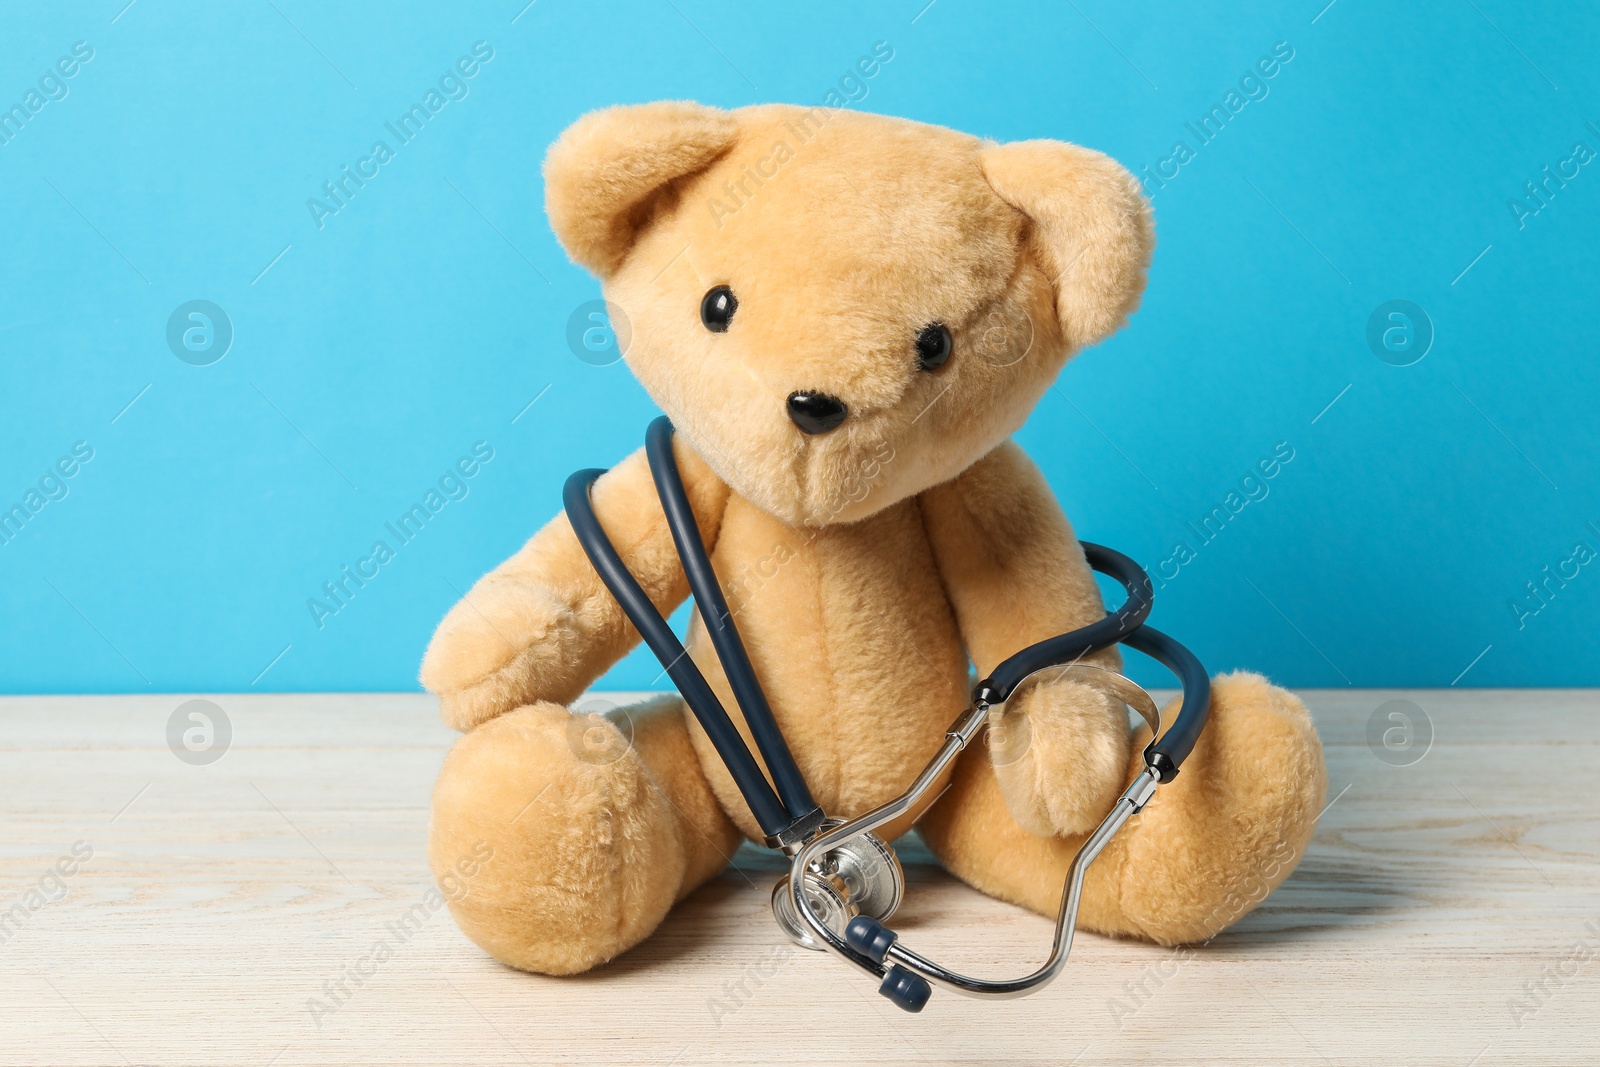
column 844, row 880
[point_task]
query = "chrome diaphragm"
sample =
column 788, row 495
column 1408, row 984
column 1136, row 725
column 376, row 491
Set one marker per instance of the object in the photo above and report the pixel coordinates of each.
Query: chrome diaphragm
column 860, row 877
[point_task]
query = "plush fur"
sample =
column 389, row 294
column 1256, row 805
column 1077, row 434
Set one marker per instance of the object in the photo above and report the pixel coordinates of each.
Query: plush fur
column 865, row 566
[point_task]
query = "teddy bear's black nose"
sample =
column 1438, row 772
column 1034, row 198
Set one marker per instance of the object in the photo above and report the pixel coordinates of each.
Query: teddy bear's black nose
column 816, row 412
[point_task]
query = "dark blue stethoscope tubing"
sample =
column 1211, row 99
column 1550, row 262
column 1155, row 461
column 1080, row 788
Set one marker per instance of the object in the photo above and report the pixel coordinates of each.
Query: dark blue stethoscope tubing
column 752, row 700
column 764, row 804
column 1126, row 626
column 1176, row 742
column 1075, row 644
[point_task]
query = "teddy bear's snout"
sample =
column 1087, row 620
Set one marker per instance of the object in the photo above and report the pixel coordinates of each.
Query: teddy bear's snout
column 816, row 413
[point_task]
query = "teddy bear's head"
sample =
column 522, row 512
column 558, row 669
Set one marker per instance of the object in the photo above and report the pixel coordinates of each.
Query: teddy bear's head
column 840, row 310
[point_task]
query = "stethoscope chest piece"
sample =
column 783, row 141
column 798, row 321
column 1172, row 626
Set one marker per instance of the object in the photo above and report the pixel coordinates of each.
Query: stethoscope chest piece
column 862, row 876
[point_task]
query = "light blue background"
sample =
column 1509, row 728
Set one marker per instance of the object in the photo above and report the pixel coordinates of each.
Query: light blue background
column 427, row 314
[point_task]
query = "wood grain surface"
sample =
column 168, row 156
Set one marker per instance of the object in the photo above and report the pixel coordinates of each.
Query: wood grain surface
column 1447, row 912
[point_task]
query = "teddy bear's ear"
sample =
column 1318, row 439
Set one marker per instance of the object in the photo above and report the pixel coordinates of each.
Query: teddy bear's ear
column 604, row 174
column 1091, row 226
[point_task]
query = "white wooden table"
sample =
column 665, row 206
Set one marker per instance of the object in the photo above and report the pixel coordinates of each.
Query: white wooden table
column 1448, row 912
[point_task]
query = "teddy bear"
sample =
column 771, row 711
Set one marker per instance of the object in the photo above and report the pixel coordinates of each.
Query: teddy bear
column 846, row 316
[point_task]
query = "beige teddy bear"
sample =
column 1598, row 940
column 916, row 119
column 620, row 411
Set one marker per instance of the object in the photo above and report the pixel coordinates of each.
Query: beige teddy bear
column 845, row 316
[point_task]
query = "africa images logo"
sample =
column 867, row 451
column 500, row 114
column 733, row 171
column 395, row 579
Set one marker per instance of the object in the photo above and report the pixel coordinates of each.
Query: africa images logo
column 51, row 88
column 453, row 485
column 1253, row 87
column 452, row 85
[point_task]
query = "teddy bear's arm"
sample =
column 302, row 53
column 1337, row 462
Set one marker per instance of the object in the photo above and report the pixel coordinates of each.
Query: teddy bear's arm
column 542, row 626
column 1015, row 574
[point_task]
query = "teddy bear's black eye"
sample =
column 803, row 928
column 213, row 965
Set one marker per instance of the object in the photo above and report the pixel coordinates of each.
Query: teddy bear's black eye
column 933, row 346
column 717, row 308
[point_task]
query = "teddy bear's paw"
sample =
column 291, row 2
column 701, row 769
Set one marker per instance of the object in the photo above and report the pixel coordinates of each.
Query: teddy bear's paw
column 573, row 851
column 505, row 644
column 1059, row 752
column 1226, row 831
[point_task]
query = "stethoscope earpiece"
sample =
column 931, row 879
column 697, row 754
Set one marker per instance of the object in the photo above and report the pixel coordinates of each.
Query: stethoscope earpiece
column 873, row 940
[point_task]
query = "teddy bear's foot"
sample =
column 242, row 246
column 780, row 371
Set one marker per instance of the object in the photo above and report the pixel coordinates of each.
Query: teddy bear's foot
column 1206, row 850
column 561, row 840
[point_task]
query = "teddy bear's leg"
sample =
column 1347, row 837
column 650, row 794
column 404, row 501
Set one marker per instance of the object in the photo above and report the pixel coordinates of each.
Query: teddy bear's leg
column 561, row 840
column 1210, row 846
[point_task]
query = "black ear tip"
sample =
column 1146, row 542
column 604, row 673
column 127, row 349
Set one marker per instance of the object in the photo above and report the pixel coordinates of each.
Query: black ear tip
column 908, row 991
column 869, row 937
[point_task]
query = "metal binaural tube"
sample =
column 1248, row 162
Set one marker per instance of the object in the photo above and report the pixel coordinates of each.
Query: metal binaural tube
column 960, row 734
column 1131, row 801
